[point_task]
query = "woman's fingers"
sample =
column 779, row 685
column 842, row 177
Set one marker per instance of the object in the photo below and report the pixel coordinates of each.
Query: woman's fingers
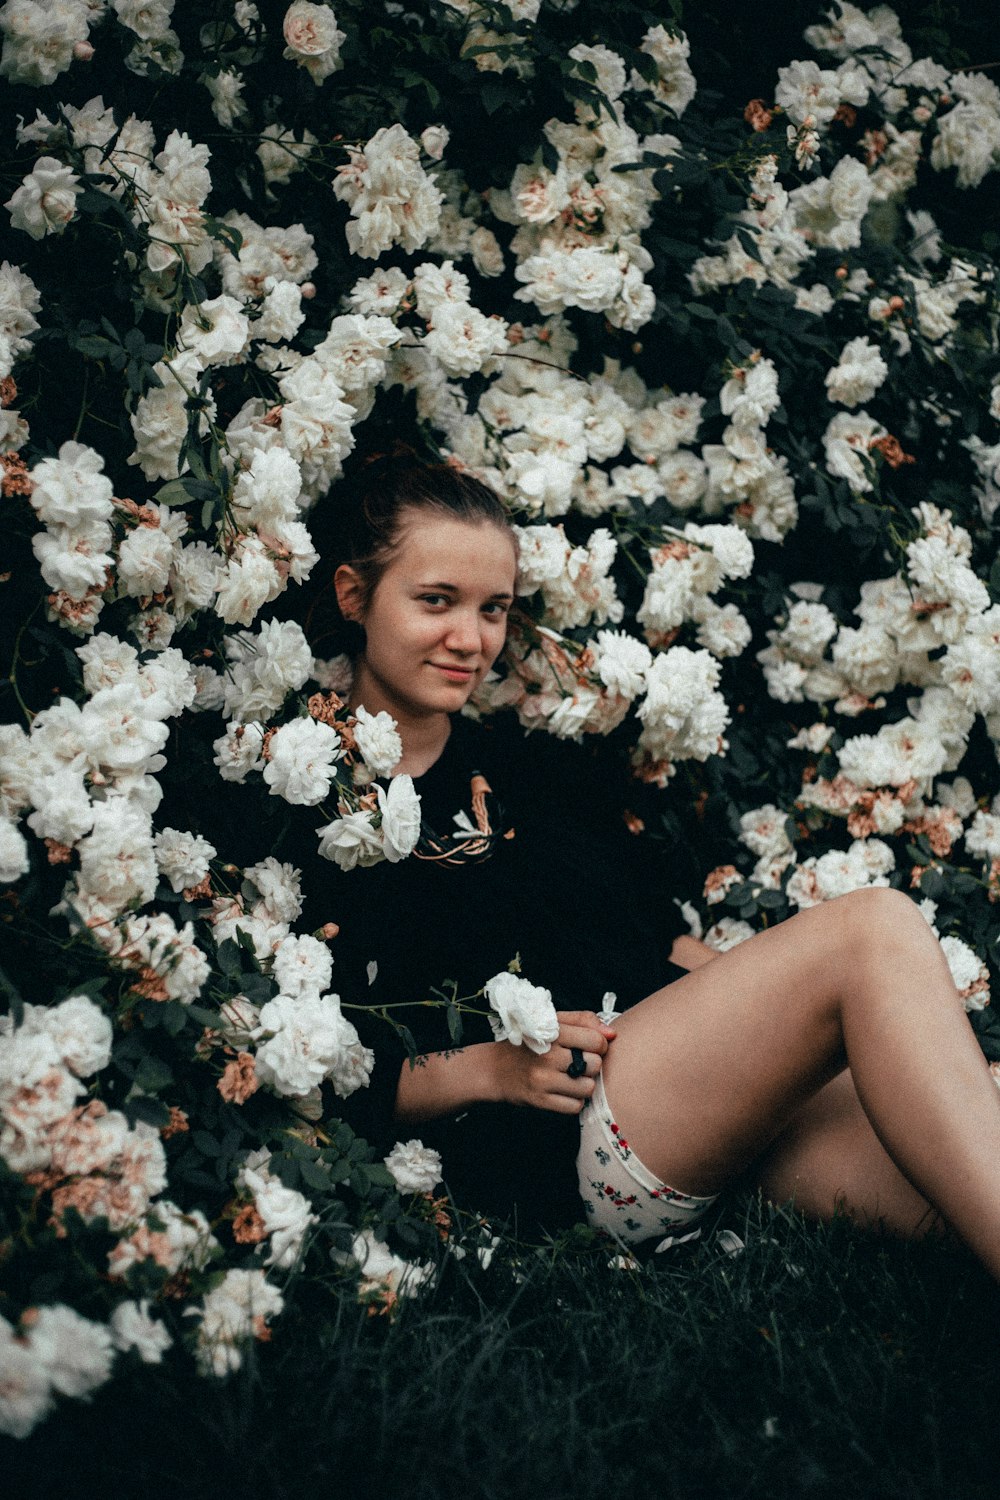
column 587, row 1019
column 587, row 1038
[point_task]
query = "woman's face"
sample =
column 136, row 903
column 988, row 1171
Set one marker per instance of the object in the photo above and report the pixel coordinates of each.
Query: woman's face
column 437, row 619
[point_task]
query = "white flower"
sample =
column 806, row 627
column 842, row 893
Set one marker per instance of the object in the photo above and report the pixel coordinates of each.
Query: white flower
column 302, row 966
column 983, row 834
column 231, row 1314
column 351, row 840
column 381, row 1269
column 278, row 887
column 847, row 441
column 182, row 857
column 380, row 294
column 280, row 154
column 116, row 857
column 79, row 1029
column 182, row 1240
column 400, row 811
column 301, row 760
column 415, row 1167
column 249, row 581
column 238, row 751
column 463, row 339
column 727, row 933
column 14, row 858
column 969, row 972
column 145, row 557
column 286, row 1213
column 76, row 1352
column 622, row 662
column 215, row 332
column 378, row 741
column 392, row 200
column 313, row 38
column 46, row 200
column 19, row 301
column 225, row 88
column 132, row 1327
column 308, row 1040
column 525, row 1012
column 72, row 490
column 609, row 67
column 434, row 140
column 683, row 715
column 26, row 1389
column 763, row 831
column 40, row 38
column 487, row 256
column 858, row 374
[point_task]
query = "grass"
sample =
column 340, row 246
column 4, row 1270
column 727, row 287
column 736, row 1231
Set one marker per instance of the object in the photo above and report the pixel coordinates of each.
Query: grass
column 820, row 1362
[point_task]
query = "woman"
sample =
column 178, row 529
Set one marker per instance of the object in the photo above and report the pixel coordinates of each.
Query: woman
column 827, row 1060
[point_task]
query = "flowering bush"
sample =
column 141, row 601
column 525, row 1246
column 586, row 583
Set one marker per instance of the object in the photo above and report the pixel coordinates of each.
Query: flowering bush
column 742, row 394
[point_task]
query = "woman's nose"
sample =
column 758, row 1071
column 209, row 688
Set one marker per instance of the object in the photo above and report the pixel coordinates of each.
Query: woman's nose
column 463, row 633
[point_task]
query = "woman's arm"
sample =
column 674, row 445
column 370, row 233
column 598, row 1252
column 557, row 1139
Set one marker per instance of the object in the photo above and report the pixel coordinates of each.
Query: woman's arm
column 442, row 1083
column 691, row 953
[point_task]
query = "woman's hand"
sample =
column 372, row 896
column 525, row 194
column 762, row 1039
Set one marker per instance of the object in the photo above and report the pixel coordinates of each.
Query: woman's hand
column 540, row 1080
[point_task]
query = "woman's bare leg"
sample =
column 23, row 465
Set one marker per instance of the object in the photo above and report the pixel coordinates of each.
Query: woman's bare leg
column 705, row 1075
column 828, row 1160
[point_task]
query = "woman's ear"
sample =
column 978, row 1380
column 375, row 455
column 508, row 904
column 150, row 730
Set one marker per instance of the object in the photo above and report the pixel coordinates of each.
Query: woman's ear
column 350, row 592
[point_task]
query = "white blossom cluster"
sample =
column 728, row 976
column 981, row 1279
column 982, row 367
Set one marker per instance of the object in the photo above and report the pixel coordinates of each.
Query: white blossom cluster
column 103, row 1168
column 931, row 626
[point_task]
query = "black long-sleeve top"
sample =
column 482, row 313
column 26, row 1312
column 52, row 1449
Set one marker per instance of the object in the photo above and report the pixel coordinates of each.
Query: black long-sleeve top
column 561, row 882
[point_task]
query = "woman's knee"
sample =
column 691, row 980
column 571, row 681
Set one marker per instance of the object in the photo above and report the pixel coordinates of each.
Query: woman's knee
column 877, row 918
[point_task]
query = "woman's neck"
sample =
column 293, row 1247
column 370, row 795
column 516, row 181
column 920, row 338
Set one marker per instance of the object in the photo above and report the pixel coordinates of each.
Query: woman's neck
column 424, row 735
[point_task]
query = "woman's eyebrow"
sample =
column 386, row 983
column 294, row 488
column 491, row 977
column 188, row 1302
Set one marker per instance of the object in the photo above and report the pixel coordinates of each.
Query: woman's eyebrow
column 452, row 588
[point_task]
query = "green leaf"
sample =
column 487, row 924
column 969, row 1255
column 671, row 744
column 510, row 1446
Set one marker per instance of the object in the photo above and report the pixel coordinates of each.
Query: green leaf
column 174, row 492
column 153, row 1074
column 151, row 1111
column 314, row 1176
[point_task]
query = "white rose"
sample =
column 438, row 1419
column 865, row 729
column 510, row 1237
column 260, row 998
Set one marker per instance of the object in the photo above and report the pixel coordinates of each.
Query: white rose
column 76, row 1352
column 14, row 858
column 400, row 809
column 525, row 1012
column 858, row 374
column 46, row 200
column 182, row 857
column 27, row 1390
column 300, row 767
column 302, row 966
column 216, row 332
column 434, row 140
column 132, row 1327
column 287, row 1215
column 313, row 38
column 381, row 1268
column 415, row 1167
column 378, row 741
column 237, row 752
column 350, row 841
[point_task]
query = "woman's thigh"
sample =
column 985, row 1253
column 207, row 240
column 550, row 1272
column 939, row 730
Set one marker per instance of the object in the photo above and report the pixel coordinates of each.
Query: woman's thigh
column 704, row 1074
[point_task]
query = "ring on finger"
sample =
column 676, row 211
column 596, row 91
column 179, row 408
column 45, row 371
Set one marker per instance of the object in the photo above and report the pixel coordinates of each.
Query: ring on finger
column 578, row 1063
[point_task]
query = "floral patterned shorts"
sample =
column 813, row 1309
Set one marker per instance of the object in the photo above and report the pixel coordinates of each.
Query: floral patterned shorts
column 619, row 1194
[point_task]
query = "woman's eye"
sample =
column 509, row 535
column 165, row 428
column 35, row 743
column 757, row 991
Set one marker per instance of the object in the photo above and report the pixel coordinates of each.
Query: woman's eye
column 495, row 611
column 433, row 599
